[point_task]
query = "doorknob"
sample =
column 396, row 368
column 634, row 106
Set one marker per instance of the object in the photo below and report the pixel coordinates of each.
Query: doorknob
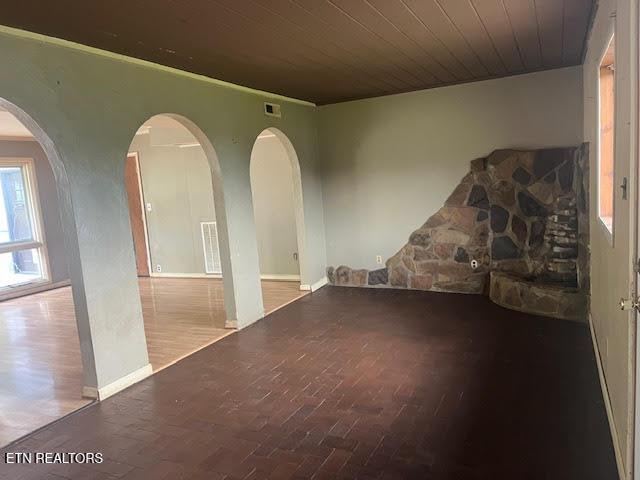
column 629, row 303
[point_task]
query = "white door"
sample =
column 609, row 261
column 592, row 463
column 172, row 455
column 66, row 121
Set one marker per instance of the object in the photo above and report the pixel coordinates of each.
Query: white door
column 613, row 211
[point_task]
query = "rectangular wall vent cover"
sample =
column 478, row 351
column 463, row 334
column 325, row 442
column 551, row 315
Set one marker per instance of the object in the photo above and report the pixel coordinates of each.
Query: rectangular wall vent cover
column 272, row 109
column 211, row 248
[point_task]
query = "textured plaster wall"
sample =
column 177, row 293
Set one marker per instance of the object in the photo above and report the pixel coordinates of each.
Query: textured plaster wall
column 90, row 106
column 391, row 162
column 177, row 183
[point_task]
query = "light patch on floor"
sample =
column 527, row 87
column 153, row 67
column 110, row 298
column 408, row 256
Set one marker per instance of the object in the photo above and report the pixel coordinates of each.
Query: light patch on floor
column 181, row 316
column 40, row 365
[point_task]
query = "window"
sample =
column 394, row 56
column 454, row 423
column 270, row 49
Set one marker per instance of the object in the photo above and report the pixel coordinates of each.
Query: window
column 606, row 148
column 22, row 249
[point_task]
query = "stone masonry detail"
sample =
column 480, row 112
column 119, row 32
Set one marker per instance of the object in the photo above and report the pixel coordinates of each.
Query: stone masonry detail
column 516, row 212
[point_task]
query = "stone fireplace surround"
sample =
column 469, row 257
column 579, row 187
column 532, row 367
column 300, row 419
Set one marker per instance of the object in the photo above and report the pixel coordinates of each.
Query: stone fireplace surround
column 521, row 215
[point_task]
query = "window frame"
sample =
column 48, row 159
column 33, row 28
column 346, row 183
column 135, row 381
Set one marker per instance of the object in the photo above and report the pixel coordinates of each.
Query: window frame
column 609, row 232
column 38, row 241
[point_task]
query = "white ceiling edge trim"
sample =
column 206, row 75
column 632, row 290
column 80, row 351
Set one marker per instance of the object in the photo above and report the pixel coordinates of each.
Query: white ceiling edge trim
column 38, row 37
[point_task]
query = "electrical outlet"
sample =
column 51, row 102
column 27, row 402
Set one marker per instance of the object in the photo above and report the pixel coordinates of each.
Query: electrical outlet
column 379, row 259
column 159, row 268
column 474, row 264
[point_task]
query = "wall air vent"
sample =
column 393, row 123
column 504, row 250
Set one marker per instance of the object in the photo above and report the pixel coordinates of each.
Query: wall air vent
column 210, row 247
column 272, row 109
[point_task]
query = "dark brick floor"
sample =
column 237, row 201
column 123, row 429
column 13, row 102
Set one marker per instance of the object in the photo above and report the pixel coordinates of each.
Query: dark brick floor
column 355, row 383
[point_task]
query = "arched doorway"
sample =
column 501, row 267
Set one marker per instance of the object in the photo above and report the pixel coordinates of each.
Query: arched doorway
column 172, row 184
column 41, row 363
column 278, row 213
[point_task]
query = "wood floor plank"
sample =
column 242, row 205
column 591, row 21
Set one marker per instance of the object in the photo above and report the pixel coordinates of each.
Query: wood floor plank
column 40, row 369
column 358, row 383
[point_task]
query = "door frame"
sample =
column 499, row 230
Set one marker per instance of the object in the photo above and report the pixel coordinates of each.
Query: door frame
column 634, row 404
column 143, row 209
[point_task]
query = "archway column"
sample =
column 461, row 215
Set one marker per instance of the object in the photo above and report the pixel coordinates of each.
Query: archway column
column 93, row 213
column 238, row 249
column 103, row 275
column 236, row 228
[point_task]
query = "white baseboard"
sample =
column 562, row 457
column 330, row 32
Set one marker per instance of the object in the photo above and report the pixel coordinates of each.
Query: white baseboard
column 305, row 288
column 185, row 275
column 319, row 284
column 114, row 387
column 267, row 276
column 607, row 403
column 280, row 277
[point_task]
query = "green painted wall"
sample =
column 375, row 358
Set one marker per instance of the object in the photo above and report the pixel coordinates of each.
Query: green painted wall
column 394, row 160
column 273, row 207
column 90, row 105
column 387, row 164
column 177, row 183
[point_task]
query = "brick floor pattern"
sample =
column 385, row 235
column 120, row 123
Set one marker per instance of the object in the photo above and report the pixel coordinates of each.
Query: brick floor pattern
column 356, row 384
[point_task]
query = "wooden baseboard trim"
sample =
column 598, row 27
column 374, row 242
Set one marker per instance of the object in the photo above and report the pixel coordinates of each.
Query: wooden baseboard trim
column 607, row 403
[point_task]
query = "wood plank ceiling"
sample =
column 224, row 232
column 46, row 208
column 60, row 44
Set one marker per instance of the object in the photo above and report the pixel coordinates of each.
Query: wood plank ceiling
column 325, row 51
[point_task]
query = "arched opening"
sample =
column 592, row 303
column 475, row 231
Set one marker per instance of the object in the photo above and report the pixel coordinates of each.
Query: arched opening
column 279, row 219
column 41, row 369
column 173, row 189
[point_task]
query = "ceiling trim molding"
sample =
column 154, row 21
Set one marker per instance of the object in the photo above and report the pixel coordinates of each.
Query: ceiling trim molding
column 59, row 42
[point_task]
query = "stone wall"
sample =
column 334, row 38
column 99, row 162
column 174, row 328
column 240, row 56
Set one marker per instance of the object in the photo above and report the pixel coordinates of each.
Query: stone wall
column 521, row 212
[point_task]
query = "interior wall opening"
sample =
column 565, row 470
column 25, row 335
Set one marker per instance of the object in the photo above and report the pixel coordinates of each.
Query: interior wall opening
column 176, row 242
column 277, row 208
column 41, row 373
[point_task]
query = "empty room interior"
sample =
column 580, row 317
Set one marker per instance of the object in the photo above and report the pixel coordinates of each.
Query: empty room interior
column 324, row 239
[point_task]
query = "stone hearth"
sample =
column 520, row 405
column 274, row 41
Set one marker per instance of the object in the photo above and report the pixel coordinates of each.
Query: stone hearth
column 549, row 300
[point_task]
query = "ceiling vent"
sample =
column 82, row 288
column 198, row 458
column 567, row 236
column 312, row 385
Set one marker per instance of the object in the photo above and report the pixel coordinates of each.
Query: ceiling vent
column 272, row 110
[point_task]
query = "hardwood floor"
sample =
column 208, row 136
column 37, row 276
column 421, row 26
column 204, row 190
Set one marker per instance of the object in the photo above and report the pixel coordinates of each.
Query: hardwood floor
column 40, row 369
column 356, row 383
column 183, row 315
